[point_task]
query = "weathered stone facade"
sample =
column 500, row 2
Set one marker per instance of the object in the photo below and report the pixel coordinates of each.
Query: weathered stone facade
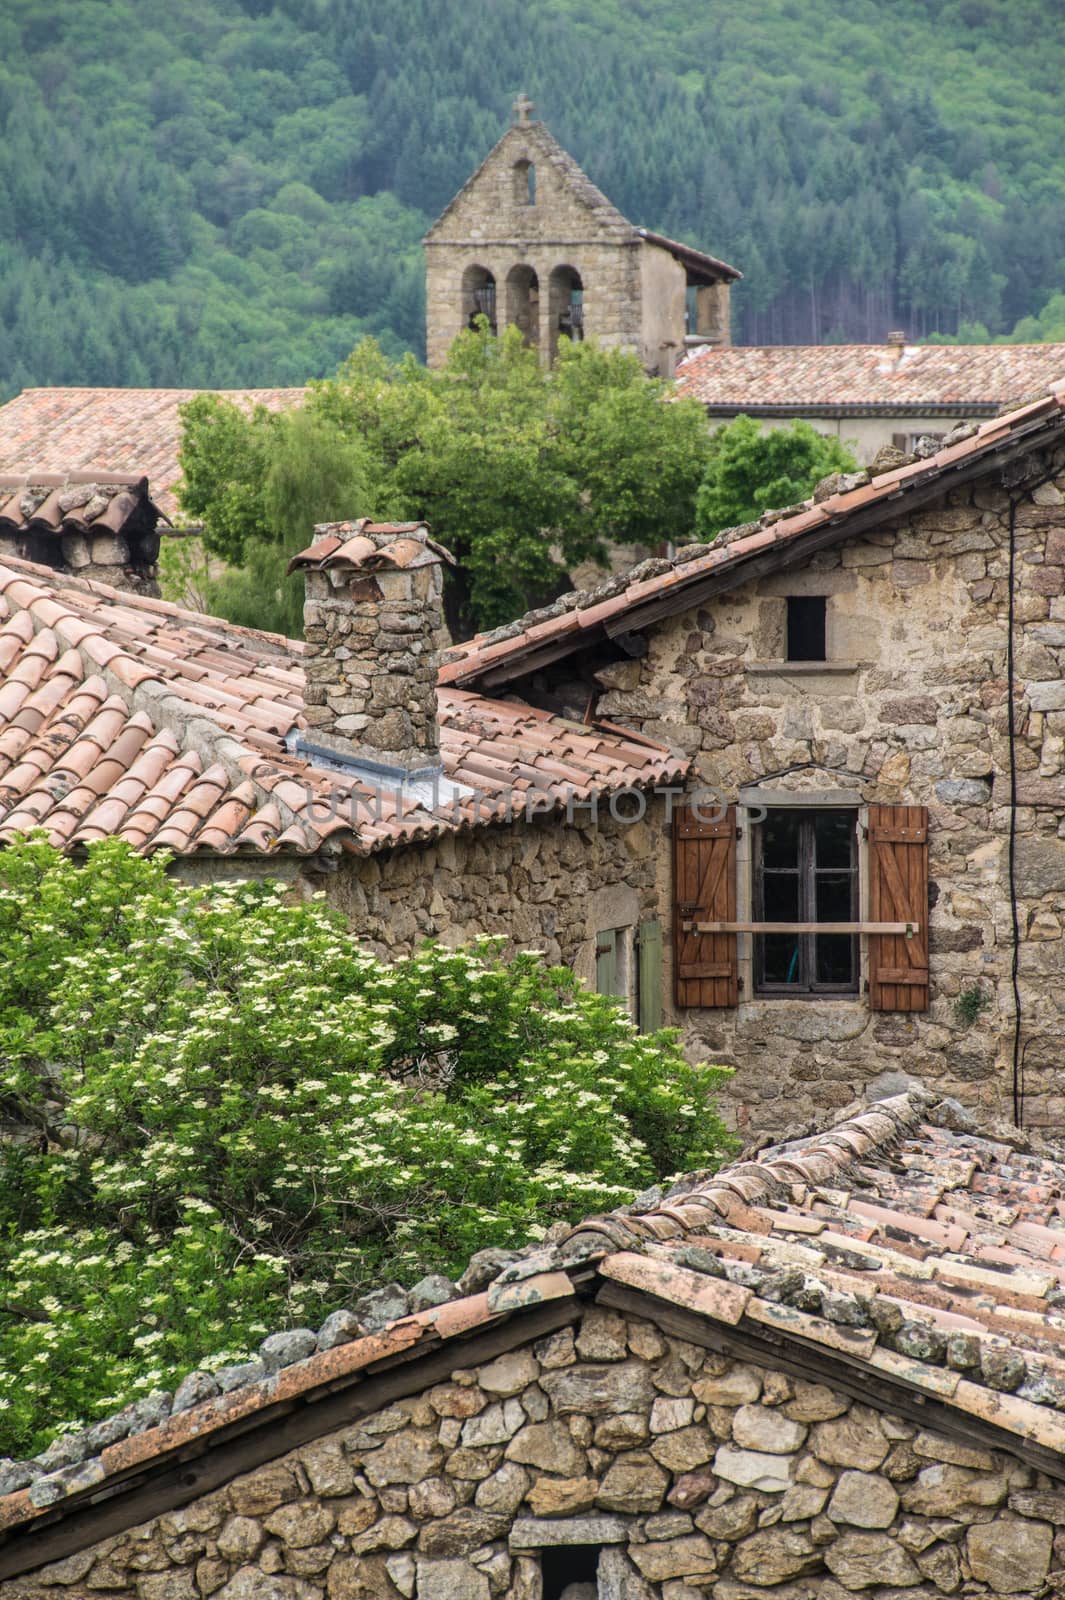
column 909, row 708
column 548, row 885
column 531, row 242
column 649, row 1468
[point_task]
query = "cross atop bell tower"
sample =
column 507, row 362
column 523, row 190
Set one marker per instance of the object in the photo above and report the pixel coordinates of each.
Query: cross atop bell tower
column 521, row 108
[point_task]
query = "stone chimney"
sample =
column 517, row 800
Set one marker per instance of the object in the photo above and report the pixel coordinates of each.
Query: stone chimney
column 99, row 525
column 373, row 623
column 896, row 347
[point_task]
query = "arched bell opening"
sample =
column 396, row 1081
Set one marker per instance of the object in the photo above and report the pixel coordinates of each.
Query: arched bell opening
column 478, row 296
column 523, row 303
column 566, row 304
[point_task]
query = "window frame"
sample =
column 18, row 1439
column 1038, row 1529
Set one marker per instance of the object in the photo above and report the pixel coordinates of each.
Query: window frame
column 806, row 869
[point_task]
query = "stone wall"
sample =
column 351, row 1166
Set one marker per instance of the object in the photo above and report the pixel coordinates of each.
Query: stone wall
column 547, row 885
column 864, row 436
column 698, row 1478
column 910, row 709
column 371, row 663
column 105, row 557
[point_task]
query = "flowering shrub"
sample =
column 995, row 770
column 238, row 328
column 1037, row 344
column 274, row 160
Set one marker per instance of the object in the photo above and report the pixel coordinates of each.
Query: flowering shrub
column 221, row 1116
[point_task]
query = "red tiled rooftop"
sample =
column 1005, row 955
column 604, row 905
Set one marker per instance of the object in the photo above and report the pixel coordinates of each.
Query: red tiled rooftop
column 112, row 431
column 862, row 378
column 130, row 717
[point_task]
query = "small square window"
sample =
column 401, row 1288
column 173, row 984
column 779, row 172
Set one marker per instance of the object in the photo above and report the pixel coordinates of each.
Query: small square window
column 806, row 627
column 806, row 871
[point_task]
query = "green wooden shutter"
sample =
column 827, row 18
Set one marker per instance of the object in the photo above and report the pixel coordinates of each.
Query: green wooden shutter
column 606, row 962
column 649, row 977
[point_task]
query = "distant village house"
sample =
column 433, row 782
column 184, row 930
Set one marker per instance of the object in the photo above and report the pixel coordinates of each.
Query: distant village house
column 868, row 396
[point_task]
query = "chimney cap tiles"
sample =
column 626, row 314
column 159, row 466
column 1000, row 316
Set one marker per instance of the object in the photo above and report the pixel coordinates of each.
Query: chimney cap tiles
column 371, row 546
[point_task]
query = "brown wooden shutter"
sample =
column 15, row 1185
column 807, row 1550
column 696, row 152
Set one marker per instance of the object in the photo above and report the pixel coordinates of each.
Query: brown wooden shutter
column 901, row 441
column 705, row 965
column 898, row 892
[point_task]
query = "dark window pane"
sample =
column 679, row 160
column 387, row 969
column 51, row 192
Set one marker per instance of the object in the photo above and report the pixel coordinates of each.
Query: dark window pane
column 833, row 900
column 806, row 627
column 780, row 838
column 833, row 838
column 835, row 958
column 780, row 896
column 781, row 957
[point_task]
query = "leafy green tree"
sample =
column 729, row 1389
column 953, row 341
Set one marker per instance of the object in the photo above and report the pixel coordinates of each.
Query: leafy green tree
column 222, row 1116
column 259, row 483
column 522, row 472
column 751, row 471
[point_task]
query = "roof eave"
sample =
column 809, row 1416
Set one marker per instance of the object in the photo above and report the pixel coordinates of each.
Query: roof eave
column 908, row 408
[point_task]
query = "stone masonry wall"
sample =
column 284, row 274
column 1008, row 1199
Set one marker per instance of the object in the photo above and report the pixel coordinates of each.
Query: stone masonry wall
column 104, row 556
column 698, row 1477
column 910, row 709
column 547, row 885
column 371, row 663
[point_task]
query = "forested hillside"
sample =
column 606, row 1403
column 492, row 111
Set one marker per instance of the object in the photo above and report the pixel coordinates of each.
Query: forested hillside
column 230, row 192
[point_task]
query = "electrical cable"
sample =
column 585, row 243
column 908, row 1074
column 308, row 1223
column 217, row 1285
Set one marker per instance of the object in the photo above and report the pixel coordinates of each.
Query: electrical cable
column 1011, row 726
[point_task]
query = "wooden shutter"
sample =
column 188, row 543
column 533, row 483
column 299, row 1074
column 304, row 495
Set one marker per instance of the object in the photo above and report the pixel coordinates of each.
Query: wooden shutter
column 898, row 892
column 649, row 977
column 705, row 966
column 901, row 441
column 606, row 962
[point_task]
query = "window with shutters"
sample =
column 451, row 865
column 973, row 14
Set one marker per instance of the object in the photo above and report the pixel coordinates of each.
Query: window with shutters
column 805, row 871
column 863, row 870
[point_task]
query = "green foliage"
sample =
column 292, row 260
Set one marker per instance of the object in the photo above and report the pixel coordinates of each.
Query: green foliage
column 218, row 193
column 226, row 1117
column 750, row 471
column 521, row 472
column 971, row 1004
column 258, row 483
column 1046, row 327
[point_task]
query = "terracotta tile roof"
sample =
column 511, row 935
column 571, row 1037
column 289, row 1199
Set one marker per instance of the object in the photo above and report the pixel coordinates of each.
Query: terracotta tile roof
column 112, row 430
column 902, row 1247
column 126, row 716
column 660, row 587
column 973, row 380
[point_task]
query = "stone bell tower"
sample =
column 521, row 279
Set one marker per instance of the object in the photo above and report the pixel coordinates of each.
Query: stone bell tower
column 529, row 241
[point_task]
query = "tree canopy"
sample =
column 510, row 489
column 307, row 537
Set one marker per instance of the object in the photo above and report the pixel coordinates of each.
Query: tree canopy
column 522, row 473
column 229, row 193
column 222, row 1116
column 750, row 471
